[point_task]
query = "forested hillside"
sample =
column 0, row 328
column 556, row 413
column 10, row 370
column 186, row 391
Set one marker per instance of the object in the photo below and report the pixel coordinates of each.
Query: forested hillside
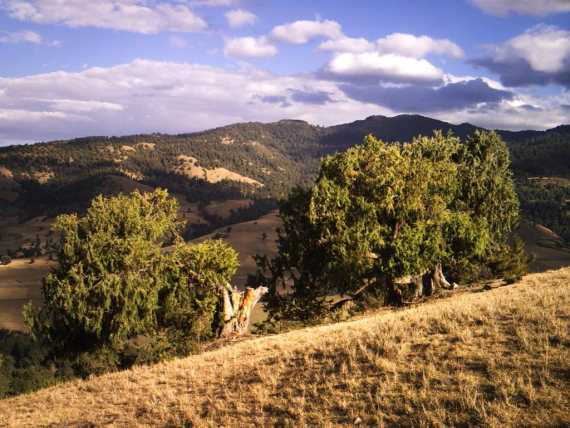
column 252, row 161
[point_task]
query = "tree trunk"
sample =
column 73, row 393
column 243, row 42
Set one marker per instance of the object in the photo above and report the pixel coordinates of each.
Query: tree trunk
column 236, row 308
column 436, row 280
column 417, row 286
column 393, row 295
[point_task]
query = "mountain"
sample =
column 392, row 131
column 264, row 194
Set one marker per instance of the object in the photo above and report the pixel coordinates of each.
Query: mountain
column 244, row 161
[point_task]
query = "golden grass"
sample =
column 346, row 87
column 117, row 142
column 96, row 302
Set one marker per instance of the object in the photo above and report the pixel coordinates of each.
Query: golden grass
column 498, row 358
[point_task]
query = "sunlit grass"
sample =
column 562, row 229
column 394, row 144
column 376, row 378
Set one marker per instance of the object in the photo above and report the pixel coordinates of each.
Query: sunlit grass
column 497, row 358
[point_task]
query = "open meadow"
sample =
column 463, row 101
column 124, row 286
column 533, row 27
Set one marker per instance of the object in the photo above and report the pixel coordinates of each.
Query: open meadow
column 496, row 358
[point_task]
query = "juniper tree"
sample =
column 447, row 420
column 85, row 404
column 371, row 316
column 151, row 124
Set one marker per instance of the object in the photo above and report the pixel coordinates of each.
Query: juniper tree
column 380, row 212
column 115, row 280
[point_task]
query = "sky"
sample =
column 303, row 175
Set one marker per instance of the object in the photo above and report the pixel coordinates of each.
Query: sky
column 74, row 68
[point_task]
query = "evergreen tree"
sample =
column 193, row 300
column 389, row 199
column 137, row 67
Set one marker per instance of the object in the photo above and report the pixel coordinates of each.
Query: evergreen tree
column 381, row 212
column 115, row 281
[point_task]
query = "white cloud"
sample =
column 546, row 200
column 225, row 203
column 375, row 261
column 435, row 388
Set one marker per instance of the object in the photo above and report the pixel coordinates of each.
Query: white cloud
column 15, row 115
column 418, row 47
column 21, row 37
column 80, row 106
column 524, row 7
column 249, row 47
column 153, row 96
column 139, row 16
column 238, row 18
column 212, row 3
column 544, row 48
column 511, row 115
column 347, row 44
column 300, row 32
column 180, row 18
column 150, row 96
column 389, row 68
column 179, row 42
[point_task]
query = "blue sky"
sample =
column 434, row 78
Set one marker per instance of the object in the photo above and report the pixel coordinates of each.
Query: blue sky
column 72, row 68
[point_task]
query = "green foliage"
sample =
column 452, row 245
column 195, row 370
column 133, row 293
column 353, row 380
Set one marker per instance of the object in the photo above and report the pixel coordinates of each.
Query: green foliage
column 105, row 289
column 546, row 201
column 488, row 190
column 188, row 301
column 379, row 208
column 509, row 261
column 26, row 365
column 5, row 260
column 115, row 282
column 298, row 266
column 380, row 212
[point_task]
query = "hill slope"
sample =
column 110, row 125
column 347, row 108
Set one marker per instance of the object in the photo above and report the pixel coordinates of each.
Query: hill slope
column 247, row 161
column 497, row 358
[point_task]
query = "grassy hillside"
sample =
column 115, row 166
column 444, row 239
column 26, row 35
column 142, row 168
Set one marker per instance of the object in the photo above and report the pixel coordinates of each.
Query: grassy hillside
column 497, row 358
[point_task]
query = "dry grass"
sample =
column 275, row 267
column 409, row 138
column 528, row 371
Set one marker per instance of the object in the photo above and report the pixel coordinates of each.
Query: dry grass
column 20, row 282
column 498, row 358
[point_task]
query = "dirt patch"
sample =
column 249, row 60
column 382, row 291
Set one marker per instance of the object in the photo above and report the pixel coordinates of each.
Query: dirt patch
column 133, row 175
column 223, row 209
column 41, row 177
column 187, row 166
column 5, row 172
column 145, row 145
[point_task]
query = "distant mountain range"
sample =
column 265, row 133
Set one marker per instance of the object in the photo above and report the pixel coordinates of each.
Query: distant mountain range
column 244, row 160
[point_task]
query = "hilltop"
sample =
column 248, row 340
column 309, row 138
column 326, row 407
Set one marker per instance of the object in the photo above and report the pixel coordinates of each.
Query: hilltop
column 254, row 162
column 497, row 358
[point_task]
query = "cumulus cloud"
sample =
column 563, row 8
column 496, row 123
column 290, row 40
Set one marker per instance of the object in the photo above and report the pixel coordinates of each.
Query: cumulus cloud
column 21, row 37
column 524, row 7
column 539, row 56
column 139, row 16
column 151, row 96
column 300, row 32
column 418, row 47
column 453, row 96
column 249, row 47
column 373, row 66
column 238, row 18
column 347, row 44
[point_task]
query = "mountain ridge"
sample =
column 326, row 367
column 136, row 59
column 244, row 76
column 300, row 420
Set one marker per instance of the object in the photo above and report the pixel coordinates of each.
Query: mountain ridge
column 254, row 160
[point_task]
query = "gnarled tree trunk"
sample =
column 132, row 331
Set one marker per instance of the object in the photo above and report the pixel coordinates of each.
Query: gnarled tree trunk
column 236, row 308
column 435, row 280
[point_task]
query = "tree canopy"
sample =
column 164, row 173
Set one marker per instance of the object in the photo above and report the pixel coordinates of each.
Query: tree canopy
column 115, row 281
column 379, row 212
